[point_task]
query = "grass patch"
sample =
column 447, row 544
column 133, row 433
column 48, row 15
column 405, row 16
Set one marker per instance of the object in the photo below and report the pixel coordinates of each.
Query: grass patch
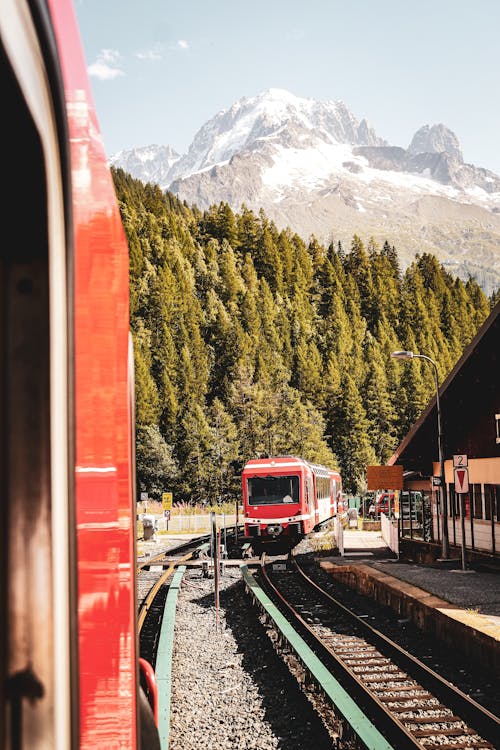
column 155, row 507
column 325, row 544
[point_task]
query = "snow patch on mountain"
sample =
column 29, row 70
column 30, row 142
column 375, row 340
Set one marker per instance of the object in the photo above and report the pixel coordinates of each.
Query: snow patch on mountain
column 147, row 163
column 273, row 116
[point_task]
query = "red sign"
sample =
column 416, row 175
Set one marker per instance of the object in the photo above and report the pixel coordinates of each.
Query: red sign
column 461, row 477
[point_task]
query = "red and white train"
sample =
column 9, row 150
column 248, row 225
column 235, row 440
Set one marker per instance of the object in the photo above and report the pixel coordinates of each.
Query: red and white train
column 285, row 498
column 69, row 657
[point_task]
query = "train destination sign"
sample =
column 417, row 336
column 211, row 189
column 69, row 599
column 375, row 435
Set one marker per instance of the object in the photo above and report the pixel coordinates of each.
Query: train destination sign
column 384, row 477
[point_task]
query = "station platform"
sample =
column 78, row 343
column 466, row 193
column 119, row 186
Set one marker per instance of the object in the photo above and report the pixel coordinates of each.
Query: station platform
column 461, row 608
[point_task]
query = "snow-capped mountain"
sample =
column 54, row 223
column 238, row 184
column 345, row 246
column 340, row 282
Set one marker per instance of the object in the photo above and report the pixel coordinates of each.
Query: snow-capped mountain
column 148, row 163
column 274, row 117
column 314, row 167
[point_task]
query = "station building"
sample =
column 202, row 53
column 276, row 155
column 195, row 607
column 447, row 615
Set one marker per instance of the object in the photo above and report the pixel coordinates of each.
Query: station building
column 470, row 418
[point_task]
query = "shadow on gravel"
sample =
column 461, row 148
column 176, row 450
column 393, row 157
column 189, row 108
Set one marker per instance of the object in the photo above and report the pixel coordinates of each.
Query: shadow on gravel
column 286, row 709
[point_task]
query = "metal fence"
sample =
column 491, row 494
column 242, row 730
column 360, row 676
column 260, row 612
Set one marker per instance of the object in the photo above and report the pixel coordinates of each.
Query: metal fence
column 194, row 523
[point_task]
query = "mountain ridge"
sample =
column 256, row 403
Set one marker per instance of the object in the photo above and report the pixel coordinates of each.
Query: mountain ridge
column 315, row 167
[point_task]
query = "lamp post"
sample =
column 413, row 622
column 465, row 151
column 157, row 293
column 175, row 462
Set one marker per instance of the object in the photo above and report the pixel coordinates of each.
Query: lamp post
column 445, row 545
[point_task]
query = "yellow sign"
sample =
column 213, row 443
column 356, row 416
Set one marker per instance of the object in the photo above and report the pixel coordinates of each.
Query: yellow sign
column 167, row 498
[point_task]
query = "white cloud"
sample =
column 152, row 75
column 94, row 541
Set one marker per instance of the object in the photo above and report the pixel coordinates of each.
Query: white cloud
column 183, row 44
column 149, row 54
column 153, row 53
column 106, row 67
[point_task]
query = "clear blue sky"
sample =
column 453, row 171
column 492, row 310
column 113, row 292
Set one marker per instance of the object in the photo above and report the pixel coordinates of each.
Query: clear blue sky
column 161, row 68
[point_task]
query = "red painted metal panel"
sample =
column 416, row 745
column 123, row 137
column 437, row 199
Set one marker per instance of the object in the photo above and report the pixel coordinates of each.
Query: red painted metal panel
column 104, row 513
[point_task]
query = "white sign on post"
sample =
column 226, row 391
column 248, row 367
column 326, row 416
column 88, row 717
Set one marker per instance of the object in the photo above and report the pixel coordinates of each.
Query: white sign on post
column 461, row 477
column 460, row 461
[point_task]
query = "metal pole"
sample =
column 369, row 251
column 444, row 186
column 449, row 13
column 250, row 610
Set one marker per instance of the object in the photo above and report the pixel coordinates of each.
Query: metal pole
column 216, row 577
column 462, row 522
column 445, row 544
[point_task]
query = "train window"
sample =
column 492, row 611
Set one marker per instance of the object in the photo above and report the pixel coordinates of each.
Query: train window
column 271, row 490
column 323, row 488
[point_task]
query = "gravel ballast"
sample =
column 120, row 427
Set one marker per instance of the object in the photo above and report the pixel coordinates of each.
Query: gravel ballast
column 229, row 687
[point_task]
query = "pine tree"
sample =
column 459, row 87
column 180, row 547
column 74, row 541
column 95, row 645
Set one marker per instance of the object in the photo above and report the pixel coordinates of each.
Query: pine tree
column 348, row 426
column 247, row 339
column 379, row 405
column 156, row 468
column 224, row 451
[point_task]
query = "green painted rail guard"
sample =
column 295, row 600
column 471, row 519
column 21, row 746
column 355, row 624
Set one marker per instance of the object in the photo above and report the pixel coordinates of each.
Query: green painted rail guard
column 164, row 658
column 202, row 549
column 360, row 724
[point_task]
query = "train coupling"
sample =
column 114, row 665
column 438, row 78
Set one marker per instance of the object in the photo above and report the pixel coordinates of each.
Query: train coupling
column 274, row 529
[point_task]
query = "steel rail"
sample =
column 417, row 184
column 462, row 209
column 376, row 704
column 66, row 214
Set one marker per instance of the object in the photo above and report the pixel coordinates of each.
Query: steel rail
column 159, row 583
column 381, row 706
column 399, row 736
column 346, row 706
column 485, row 722
column 160, row 557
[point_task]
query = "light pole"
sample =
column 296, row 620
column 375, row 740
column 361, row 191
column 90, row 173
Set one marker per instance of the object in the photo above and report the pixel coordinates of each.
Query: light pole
column 445, row 545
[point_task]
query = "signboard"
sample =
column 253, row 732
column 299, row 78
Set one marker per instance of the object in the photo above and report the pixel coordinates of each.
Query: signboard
column 461, row 478
column 166, row 500
column 459, row 461
column 436, row 481
column 384, row 477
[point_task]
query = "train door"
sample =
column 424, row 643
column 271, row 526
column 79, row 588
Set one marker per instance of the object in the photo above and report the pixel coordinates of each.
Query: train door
column 38, row 693
column 310, row 502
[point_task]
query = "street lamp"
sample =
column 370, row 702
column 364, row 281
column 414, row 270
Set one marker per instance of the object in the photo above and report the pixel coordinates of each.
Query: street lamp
column 445, row 546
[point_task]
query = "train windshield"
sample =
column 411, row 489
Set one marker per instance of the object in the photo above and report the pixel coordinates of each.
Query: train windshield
column 272, row 490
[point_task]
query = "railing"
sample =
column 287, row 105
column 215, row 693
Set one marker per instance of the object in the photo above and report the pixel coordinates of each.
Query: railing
column 338, row 530
column 389, row 531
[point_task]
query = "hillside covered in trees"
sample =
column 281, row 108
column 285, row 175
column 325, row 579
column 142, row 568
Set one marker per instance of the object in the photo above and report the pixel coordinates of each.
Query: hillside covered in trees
column 249, row 340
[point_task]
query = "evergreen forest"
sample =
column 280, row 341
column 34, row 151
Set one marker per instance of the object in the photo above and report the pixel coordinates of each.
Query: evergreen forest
column 249, row 340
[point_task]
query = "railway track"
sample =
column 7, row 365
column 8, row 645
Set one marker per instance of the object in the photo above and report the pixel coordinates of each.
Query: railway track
column 410, row 704
column 153, row 577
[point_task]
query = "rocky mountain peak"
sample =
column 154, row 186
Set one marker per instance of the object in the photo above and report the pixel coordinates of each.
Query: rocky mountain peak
column 149, row 163
column 436, row 139
column 270, row 116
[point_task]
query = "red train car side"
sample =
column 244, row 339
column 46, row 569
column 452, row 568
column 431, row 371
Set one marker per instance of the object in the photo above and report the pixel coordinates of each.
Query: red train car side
column 285, row 497
column 69, row 675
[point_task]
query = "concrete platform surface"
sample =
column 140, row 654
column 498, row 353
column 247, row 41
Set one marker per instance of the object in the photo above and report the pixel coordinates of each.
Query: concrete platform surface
column 469, row 589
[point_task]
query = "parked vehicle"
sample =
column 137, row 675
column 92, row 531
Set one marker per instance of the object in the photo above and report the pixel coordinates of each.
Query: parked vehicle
column 383, row 501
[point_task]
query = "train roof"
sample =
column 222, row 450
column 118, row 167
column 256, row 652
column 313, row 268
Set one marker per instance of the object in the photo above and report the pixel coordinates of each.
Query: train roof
column 271, row 462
